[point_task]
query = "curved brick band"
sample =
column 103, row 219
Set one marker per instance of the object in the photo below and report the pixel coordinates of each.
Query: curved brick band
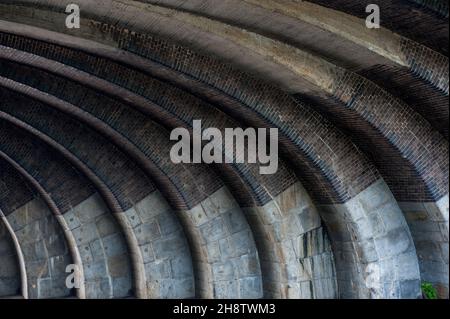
column 85, row 229
column 347, row 261
column 69, row 236
column 201, row 234
column 276, row 184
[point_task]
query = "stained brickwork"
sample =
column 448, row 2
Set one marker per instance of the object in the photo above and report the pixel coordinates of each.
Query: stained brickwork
column 59, row 179
column 14, row 192
column 424, row 99
column 401, row 127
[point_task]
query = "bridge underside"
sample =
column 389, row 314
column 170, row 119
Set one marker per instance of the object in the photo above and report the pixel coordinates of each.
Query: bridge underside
column 358, row 207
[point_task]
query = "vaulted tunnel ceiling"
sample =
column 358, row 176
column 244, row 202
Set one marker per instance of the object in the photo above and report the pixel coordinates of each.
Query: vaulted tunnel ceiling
column 358, row 207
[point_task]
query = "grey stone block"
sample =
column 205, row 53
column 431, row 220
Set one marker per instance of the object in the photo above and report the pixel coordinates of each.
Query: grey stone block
column 391, row 216
column 6, row 247
column 72, row 220
column 435, row 236
column 393, row 243
column 169, row 247
column 86, row 233
column 151, row 206
column 289, row 255
column 367, row 251
column 293, row 272
column 133, row 217
column 97, row 270
column 213, row 230
column 177, row 288
column 219, row 202
column 250, row 288
column 235, row 220
column 423, row 226
column 114, row 245
column 58, row 264
column 96, row 250
column 270, row 213
column 410, row 289
column 122, row 287
column 119, row 266
column 50, row 288
column 242, row 243
column 181, row 268
column 198, row 215
column 37, row 269
column 226, row 249
column 306, row 290
column 223, row 271
column 147, row 233
column 246, row 266
column 309, row 219
column 226, row 289
column 86, row 253
column 37, row 209
column 392, row 290
column 213, row 249
column 406, row 266
column 147, row 253
column 56, row 245
column 99, row 289
column 8, row 267
column 292, row 226
column 435, row 213
column 427, row 250
column 9, row 286
column 90, row 209
column 279, row 231
column 29, row 233
column 434, row 271
column 106, row 225
column 157, row 270
column 36, row 250
column 445, row 251
column 168, row 223
column 374, row 196
column 18, row 218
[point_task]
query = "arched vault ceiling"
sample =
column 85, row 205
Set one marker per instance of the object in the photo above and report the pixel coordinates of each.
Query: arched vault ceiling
column 358, row 207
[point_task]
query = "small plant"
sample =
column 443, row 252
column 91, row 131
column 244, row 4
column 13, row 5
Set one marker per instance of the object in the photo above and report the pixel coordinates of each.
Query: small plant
column 428, row 291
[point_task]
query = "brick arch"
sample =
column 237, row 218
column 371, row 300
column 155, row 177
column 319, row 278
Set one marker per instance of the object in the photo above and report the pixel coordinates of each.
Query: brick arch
column 64, row 205
column 74, row 252
column 219, row 195
column 335, row 81
column 263, row 199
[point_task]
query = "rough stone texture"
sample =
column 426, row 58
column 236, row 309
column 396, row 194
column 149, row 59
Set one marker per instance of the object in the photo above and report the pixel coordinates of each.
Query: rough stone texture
column 44, row 249
column 384, row 263
column 229, row 247
column 9, row 271
column 163, row 244
column 102, row 248
column 430, row 234
column 306, row 269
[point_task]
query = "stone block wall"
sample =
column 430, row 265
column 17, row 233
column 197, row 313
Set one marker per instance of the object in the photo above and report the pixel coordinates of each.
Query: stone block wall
column 102, row 247
column 44, row 249
column 9, row 270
